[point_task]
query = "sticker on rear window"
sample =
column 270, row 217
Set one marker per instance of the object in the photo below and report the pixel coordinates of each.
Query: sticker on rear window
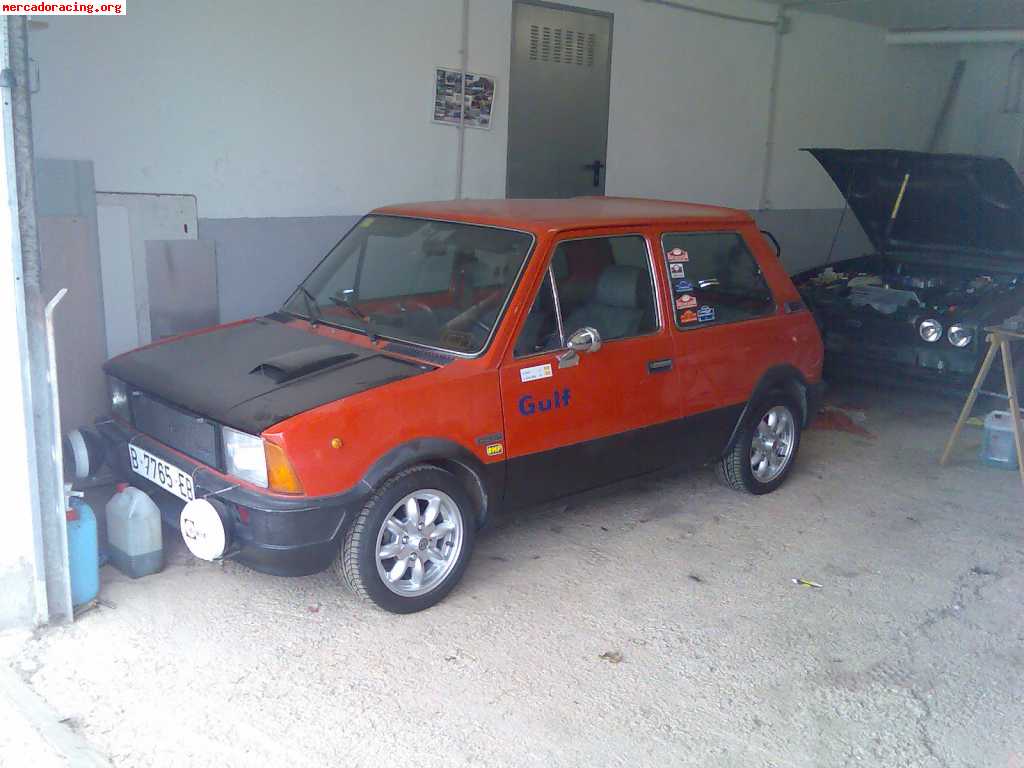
column 677, row 270
column 706, row 314
column 689, row 316
column 686, row 301
column 678, row 254
column 535, row 372
column 682, row 286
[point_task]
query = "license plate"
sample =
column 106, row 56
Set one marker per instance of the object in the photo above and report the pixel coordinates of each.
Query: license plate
column 167, row 476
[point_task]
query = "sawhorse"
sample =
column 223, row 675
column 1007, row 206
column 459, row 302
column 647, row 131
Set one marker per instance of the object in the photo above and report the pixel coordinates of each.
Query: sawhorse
column 999, row 340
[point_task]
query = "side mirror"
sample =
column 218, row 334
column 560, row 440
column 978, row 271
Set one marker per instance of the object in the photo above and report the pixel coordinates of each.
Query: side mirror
column 586, row 339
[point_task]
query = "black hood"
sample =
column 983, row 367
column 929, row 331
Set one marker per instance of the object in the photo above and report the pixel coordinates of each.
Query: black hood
column 254, row 374
column 952, row 202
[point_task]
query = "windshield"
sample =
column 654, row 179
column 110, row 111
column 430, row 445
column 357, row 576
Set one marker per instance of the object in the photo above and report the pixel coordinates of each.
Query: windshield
column 428, row 282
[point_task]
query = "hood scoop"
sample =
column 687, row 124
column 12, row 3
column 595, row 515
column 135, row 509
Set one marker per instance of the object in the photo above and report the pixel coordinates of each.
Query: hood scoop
column 301, row 362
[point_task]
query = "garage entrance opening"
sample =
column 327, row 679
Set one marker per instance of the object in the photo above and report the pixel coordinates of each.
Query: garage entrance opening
column 558, row 100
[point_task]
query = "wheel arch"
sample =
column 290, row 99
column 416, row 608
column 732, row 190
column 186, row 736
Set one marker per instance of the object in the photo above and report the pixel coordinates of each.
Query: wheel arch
column 786, row 378
column 483, row 483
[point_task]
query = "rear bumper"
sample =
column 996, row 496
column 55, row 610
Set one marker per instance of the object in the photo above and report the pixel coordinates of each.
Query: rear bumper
column 284, row 536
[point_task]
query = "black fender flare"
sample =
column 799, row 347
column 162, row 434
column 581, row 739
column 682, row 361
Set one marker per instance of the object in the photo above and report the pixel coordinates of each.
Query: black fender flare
column 786, row 377
column 484, row 482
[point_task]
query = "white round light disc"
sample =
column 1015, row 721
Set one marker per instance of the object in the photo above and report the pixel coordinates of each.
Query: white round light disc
column 80, row 453
column 203, row 530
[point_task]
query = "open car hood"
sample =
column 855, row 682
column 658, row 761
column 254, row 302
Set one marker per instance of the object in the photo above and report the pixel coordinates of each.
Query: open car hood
column 952, row 202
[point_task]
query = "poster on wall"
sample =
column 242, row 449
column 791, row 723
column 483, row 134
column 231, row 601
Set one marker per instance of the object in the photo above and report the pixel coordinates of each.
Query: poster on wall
column 479, row 98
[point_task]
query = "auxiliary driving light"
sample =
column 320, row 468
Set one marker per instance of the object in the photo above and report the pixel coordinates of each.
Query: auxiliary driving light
column 203, row 527
column 959, row 336
column 930, row 330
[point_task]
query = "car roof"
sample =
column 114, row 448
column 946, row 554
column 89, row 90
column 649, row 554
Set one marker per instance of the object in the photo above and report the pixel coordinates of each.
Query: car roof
column 568, row 214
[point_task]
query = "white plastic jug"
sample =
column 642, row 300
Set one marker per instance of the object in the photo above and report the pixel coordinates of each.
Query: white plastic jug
column 134, row 534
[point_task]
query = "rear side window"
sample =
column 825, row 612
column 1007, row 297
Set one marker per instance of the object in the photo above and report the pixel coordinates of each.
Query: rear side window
column 715, row 279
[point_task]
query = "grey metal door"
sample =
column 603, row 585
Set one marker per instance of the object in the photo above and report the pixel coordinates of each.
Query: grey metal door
column 558, row 100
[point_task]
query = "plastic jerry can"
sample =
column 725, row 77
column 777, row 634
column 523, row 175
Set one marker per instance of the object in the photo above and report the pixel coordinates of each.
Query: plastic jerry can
column 134, row 537
column 83, row 552
column 997, row 446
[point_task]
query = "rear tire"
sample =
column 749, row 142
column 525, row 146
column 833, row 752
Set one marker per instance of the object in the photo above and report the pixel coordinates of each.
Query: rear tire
column 765, row 448
column 411, row 543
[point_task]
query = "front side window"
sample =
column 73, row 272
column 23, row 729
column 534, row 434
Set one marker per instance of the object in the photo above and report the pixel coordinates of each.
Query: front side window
column 540, row 329
column 434, row 283
column 715, row 279
column 601, row 282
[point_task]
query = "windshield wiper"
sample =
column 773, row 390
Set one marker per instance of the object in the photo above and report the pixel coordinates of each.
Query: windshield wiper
column 345, row 302
column 315, row 313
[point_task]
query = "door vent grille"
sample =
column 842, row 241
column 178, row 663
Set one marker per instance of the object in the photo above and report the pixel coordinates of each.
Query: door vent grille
column 562, row 46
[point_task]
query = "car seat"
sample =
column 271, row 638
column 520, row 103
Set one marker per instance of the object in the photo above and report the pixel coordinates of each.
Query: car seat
column 615, row 309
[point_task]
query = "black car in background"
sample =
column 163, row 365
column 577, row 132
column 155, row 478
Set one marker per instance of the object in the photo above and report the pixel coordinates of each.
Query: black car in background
column 948, row 260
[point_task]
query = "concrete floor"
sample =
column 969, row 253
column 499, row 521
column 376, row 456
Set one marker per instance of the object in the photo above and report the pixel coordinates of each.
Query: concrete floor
column 654, row 623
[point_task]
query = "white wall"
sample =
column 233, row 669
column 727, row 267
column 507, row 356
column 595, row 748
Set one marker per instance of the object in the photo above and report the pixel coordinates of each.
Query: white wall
column 982, row 94
column 326, row 111
column 842, row 86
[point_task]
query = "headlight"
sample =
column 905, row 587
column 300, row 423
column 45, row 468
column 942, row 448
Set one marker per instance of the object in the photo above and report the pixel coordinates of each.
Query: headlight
column 959, row 336
column 244, row 457
column 120, row 405
column 930, row 330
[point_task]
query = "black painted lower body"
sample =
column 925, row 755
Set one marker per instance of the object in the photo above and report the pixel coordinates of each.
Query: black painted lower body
column 301, row 536
column 690, row 441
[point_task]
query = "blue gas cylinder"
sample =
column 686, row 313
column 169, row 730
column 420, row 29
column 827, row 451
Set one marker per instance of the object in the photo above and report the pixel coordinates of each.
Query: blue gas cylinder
column 83, row 552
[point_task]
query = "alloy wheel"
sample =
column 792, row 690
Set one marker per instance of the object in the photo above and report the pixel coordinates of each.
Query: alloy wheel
column 772, row 446
column 419, row 542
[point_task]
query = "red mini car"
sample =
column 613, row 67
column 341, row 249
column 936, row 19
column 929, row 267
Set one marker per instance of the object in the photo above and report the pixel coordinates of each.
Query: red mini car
column 447, row 360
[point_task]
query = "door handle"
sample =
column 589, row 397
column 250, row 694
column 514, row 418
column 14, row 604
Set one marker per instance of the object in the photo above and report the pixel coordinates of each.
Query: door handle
column 659, row 366
column 596, row 167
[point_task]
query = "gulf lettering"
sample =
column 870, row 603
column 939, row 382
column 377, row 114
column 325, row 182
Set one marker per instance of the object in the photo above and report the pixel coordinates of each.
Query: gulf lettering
column 529, row 405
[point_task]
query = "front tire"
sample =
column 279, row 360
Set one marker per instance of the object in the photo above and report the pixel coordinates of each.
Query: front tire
column 765, row 448
column 411, row 543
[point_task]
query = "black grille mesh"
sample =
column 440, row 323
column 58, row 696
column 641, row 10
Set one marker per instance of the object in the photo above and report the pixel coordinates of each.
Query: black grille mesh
column 182, row 431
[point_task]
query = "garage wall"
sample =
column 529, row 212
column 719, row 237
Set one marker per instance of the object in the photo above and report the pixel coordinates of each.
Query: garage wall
column 279, row 252
column 277, row 116
column 843, row 86
column 982, row 95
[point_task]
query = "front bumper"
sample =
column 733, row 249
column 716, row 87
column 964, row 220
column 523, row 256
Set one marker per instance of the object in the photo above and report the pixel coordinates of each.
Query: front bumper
column 944, row 383
column 284, row 536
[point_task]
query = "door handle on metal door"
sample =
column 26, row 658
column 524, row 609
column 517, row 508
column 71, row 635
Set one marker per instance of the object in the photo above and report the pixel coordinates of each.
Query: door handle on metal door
column 659, row 366
column 596, row 167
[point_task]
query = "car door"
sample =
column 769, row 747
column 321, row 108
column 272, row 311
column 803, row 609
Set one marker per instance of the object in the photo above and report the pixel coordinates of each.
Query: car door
column 726, row 327
column 577, row 420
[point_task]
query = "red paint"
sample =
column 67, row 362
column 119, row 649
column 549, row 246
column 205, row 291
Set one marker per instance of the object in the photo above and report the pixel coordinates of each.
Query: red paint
column 713, row 367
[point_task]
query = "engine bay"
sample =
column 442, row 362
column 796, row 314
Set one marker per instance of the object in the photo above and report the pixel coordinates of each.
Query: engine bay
column 898, row 288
